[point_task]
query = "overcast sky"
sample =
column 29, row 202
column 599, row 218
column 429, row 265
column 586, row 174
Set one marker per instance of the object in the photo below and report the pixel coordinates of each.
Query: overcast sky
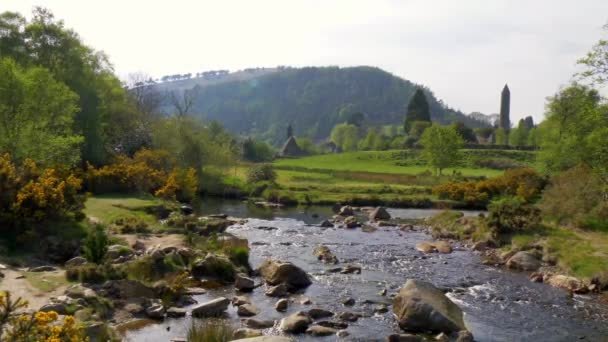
column 464, row 50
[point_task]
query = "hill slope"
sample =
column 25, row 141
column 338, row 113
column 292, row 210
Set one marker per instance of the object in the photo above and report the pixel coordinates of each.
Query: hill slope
column 312, row 99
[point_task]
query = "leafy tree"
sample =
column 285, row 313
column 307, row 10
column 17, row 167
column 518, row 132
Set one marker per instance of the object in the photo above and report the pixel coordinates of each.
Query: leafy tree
column 441, row 147
column 519, row 135
column 465, row 132
column 596, row 62
column 501, row 136
column 417, row 110
column 345, row 136
column 307, row 146
column 37, row 116
column 370, row 141
column 533, row 137
column 257, row 151
column 417, row 128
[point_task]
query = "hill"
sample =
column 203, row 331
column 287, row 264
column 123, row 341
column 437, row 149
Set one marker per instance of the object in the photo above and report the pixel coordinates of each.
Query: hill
column 262, row 102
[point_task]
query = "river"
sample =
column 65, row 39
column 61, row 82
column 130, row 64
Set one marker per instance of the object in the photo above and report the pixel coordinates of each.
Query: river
column 498, row 305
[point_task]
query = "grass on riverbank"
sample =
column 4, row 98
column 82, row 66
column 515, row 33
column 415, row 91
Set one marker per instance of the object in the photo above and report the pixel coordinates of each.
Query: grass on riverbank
column 107, row 209
column 46, row 282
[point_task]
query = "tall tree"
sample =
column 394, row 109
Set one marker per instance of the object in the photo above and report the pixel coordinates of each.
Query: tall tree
column 417, row 110
column 442, row 146
column 345, row 136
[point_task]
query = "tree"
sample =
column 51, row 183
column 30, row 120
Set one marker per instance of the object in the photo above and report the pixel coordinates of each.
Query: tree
column 37, row 116
column 441, row 147
column 370, row 141
column 596, row 63
column 465, row 132
column 501, row 136
column 533, row 138
column 519, row 135
column 345, row 136
column 418, row 128
column 417, row 110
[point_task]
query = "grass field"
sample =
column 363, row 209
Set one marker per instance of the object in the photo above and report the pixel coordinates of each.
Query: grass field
column 108, row 208
column 381, row 176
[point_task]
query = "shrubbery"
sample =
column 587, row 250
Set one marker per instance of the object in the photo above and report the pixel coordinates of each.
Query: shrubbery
column 260, row 173
column 96, row 244
column 524, row 183
column 148, row 171
column 511, row 214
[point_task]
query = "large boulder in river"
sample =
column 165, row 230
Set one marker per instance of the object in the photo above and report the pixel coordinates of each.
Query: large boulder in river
column 296, row 323
column 277, row 272
column 569, row 283
column 420, row 307
column 212, row 308
column 216, row 267
column 523, row 261
column 346, row 211
column 324, row 254
column 379, row 214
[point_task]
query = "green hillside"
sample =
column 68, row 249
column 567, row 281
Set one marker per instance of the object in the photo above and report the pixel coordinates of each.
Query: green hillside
column 312, row 99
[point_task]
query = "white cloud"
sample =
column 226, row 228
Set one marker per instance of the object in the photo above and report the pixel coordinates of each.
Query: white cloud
column 463, row 50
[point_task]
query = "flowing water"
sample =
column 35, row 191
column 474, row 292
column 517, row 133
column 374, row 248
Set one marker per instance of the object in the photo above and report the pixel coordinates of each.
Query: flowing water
column 499, row 305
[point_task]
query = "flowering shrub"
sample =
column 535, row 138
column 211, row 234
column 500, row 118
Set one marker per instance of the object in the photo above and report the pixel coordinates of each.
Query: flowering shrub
column 525, row 184
column 149, row 171
column 40, row 326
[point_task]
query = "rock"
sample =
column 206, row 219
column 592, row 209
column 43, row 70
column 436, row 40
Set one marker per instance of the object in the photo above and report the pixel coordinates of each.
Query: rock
column 42, row 269
column 79, row 291
column 350, row 269
column 240, row 300
column 384, row 224
column 480, row 246
column 318, row 330
column 281, row 305
column 443, row 247
column 348, row 301
column 366, row 228
column 280, row 272
column 567, row 283
column 465, row 336
column 324, row 254
column 277, row 291
column 186, row 209
column 116, row 251
column 212, row 308
column 536, row 277
column 76, row 261
column 523, row 261
column 156, row 311
column 265, row 339
column 174, row 312
column 406, row 227
column 317, row 313
column 381, row 308
column 346, row 211
column 296, row 323
column 243, row 283
column 334, row 325
column 215, row 267
column 95, row 330
column 379, row 214
column 351, row 222
column 138, row 246
column 195, row 291
column 257, row 323
column 425, row 247
column 442, row 337
column 382, row 292
column 133, row 308
column 247, row 310
column 405, row 338
column 342, row 333
column 419, row 307
column 60, row 308
column 247, row 333
column 326, row 224
column 348, row 316
column 305, row 301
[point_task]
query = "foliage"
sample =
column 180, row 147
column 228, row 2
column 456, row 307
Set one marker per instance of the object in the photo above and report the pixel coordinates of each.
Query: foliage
column 94, row 273
column 502, row 137
column 308, row 146
column 345, row 136
column 511, row 214
column 575, row 197
column 39, row 326
column 257, row 151
column 181, row 185
column 261, row 172
column 441, row 147
column 417, row 110
column 210, row 331
column 466, row 133
column 596, row 63
column 96, row 244
column 418, row 128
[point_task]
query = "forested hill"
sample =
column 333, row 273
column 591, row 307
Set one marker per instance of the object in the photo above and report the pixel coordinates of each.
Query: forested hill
column 312, row 99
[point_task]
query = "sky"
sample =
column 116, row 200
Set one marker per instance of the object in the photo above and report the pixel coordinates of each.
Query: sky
column 463, row 50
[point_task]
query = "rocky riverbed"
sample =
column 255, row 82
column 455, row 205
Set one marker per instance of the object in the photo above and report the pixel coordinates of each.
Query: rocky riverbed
column 371, row 265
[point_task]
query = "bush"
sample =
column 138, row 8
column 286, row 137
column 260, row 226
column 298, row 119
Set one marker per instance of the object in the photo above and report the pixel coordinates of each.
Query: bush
column 210, row 331
column 260, row 173
column 96, row 244
column 497, row 164
column 92, row 273
column 130, row 225
column 575, row 197
column 239, row 256
column 511, row 214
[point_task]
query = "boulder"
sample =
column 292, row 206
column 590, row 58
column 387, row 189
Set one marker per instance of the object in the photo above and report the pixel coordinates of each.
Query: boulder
column 128, row 289
column 296, row 323
column 277, row 291
column 324, row 254
column 213, row 266
column 439, row 246
column 277, row 272
column 318, row 330
column 247, row 333
column 79, row 291
column 247, row 310
column 317, row 313
column 155, row 311
column 405, row 338
column 443, row 247
column 381, row 308
column 523, row 261
column 464, row 336
column 116, row 251
column 240, row 300
column 332, row 324
column 425, row 247
column 351, row 222
column 379, row 214
column 281, row 305
column 348, row 301
column 351, row 269
column 571, row 284
column 76, row 261
column 326, row 224
column 257, row 323
column 138, row 246
column 348, row 316
column 346, row 211
column 46, row 268
column 174, row 312
column 419, row 307
column 212, row 308
column 243, row 283
column 60, row 308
